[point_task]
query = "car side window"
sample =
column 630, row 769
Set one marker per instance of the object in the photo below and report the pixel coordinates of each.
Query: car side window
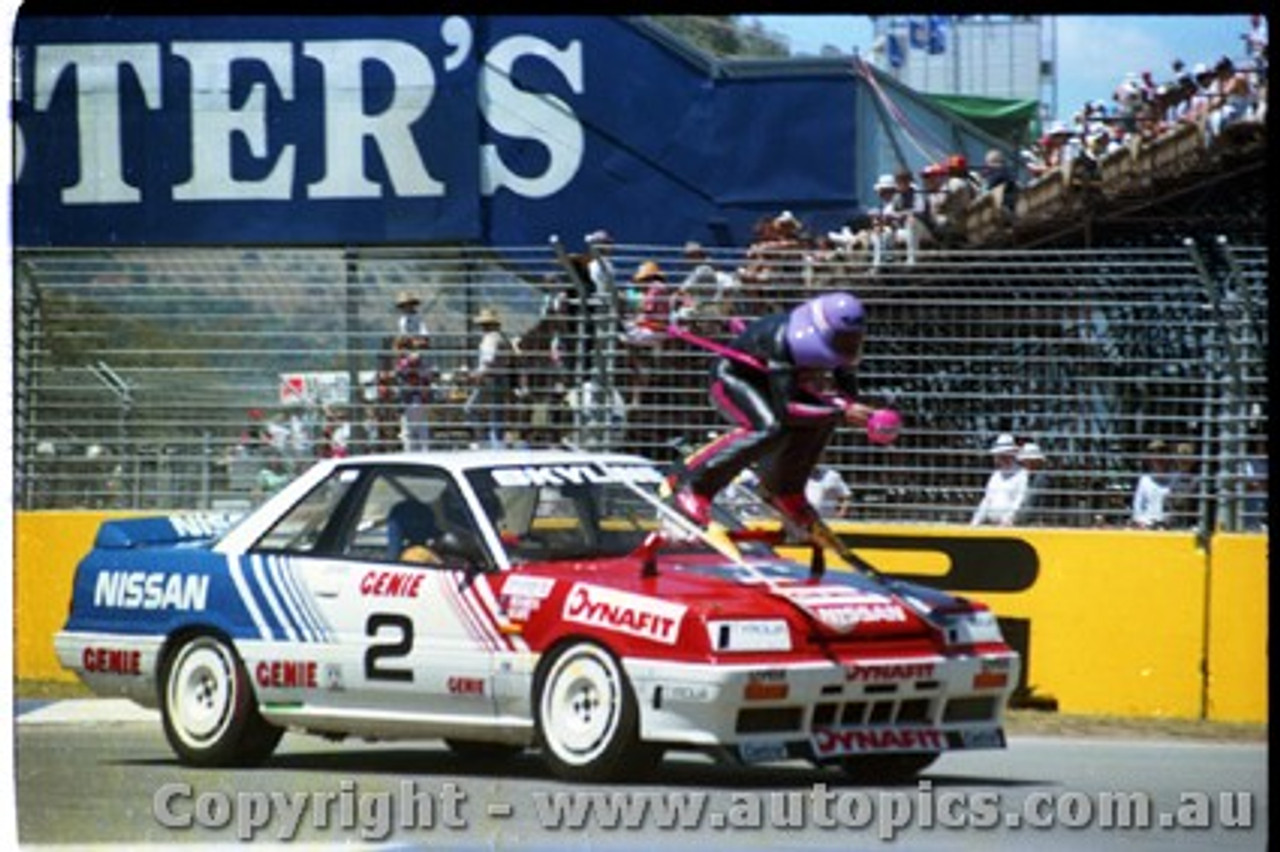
column 299, row 529
column 408, row 516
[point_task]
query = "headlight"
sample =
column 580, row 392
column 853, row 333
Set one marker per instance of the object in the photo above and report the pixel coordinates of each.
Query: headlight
column 761, row 634
column 968, row 628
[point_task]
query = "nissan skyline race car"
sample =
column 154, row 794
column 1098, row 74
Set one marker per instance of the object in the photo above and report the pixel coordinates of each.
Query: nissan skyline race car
column 504, row 600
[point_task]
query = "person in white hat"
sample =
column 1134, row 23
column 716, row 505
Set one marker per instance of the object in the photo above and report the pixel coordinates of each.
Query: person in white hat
column 1006, row 487
column 885, row 220
column 1032, row 459
column 496, row 377
column 600, row 266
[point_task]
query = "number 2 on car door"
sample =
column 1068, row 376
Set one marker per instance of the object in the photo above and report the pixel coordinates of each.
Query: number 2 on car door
column 391, row 635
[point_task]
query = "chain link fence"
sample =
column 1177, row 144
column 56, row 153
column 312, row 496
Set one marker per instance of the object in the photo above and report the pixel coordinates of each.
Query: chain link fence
column 197, row 378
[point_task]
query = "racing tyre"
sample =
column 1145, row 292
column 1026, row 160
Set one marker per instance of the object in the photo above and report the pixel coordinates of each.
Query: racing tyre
column 887, row 768
column 210, row 714
column 588, row 720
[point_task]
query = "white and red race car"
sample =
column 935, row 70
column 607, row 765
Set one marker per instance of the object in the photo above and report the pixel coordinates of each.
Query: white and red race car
column 513, row 599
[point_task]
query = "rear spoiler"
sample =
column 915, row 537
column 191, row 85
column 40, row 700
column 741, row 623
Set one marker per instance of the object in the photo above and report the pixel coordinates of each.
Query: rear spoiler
column 169, row 529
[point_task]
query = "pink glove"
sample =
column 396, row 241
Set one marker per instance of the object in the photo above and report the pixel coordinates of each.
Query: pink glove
column 883, row 426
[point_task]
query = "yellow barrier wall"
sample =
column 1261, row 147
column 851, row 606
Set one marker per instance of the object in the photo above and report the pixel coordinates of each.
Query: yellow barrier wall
column 1238, row 630
column 1119, row 620
column 48, row 545
column 1116, row 617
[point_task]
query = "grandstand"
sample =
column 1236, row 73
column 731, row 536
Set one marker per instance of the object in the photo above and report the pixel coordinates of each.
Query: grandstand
column 1116, row 305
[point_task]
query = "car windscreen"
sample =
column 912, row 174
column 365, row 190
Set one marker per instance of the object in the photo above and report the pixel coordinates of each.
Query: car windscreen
column 569, row 511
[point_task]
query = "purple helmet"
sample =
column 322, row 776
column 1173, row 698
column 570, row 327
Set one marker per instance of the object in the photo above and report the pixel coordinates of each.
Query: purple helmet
column 827, row 331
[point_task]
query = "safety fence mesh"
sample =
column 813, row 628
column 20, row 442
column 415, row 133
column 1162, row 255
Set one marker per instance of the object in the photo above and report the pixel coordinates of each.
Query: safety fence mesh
column 195, row 378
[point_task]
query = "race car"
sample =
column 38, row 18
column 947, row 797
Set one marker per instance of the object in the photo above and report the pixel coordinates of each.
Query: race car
column 507, row 600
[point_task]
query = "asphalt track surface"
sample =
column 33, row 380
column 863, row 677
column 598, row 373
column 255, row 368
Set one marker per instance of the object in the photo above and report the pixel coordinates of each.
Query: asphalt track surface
column 95, row 778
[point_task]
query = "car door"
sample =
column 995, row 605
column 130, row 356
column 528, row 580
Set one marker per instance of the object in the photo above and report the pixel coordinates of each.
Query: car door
column 394, row 581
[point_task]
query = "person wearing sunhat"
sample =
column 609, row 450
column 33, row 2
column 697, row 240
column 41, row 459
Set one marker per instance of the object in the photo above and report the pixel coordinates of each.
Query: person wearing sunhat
column 495, row 379
column 410, row 322
column 1006, row 487
column 884, row 219
column 413, row 373
column 648, row 305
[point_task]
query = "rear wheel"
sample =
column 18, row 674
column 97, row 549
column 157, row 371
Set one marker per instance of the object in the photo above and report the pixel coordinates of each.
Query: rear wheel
column 588, row 719
column 887, row 768
column 209, row 711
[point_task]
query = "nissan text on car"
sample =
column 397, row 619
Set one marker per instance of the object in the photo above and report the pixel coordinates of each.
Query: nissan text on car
column 504, row 600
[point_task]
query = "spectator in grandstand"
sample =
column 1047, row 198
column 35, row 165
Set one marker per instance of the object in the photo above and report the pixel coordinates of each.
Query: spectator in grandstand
column 409, row 323
column 910, row 207
column 414, row 378
column 1128, row 101
column 706, row 290
column 1006, row 488
column 901, row 221
column 600, row 265
column 775, row 261
column 648, row 309
column 1255, row 484
column 1234, row 101
column 961, row 181
column 547, row 356
column 1204, row 97
column 386, row 413
column 599, row 418
column 335, row 433
column 850, row 251
column 496, row 379
column 1032, row 509
column 883, row 221
column 1115, row 138
column 272, row 476
column 1183, row 500
column 828, row 493
column 948, row 207
column 1054, row 149
column 997, row 172
column 255, row 437
column 1177, row 102
column 1255, row 41
column 1152, row 501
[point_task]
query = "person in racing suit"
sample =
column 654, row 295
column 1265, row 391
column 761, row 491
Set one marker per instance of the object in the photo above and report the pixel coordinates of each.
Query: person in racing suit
column 766, row 384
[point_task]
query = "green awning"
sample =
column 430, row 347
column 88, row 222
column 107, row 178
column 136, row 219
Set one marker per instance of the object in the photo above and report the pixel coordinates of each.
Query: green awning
column 1015, row 120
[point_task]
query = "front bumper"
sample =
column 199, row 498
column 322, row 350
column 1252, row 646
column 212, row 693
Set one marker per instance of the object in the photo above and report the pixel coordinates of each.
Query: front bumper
column 824, row 710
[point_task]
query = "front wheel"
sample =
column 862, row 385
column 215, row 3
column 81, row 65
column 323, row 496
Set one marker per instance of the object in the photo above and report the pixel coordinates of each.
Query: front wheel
column 588, row 719
column 209, row 712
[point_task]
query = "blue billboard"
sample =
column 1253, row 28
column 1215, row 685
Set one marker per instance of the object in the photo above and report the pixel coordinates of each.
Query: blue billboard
column 407, row 130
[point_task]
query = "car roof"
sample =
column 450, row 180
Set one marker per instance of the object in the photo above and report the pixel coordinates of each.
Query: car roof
column 464, row 460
